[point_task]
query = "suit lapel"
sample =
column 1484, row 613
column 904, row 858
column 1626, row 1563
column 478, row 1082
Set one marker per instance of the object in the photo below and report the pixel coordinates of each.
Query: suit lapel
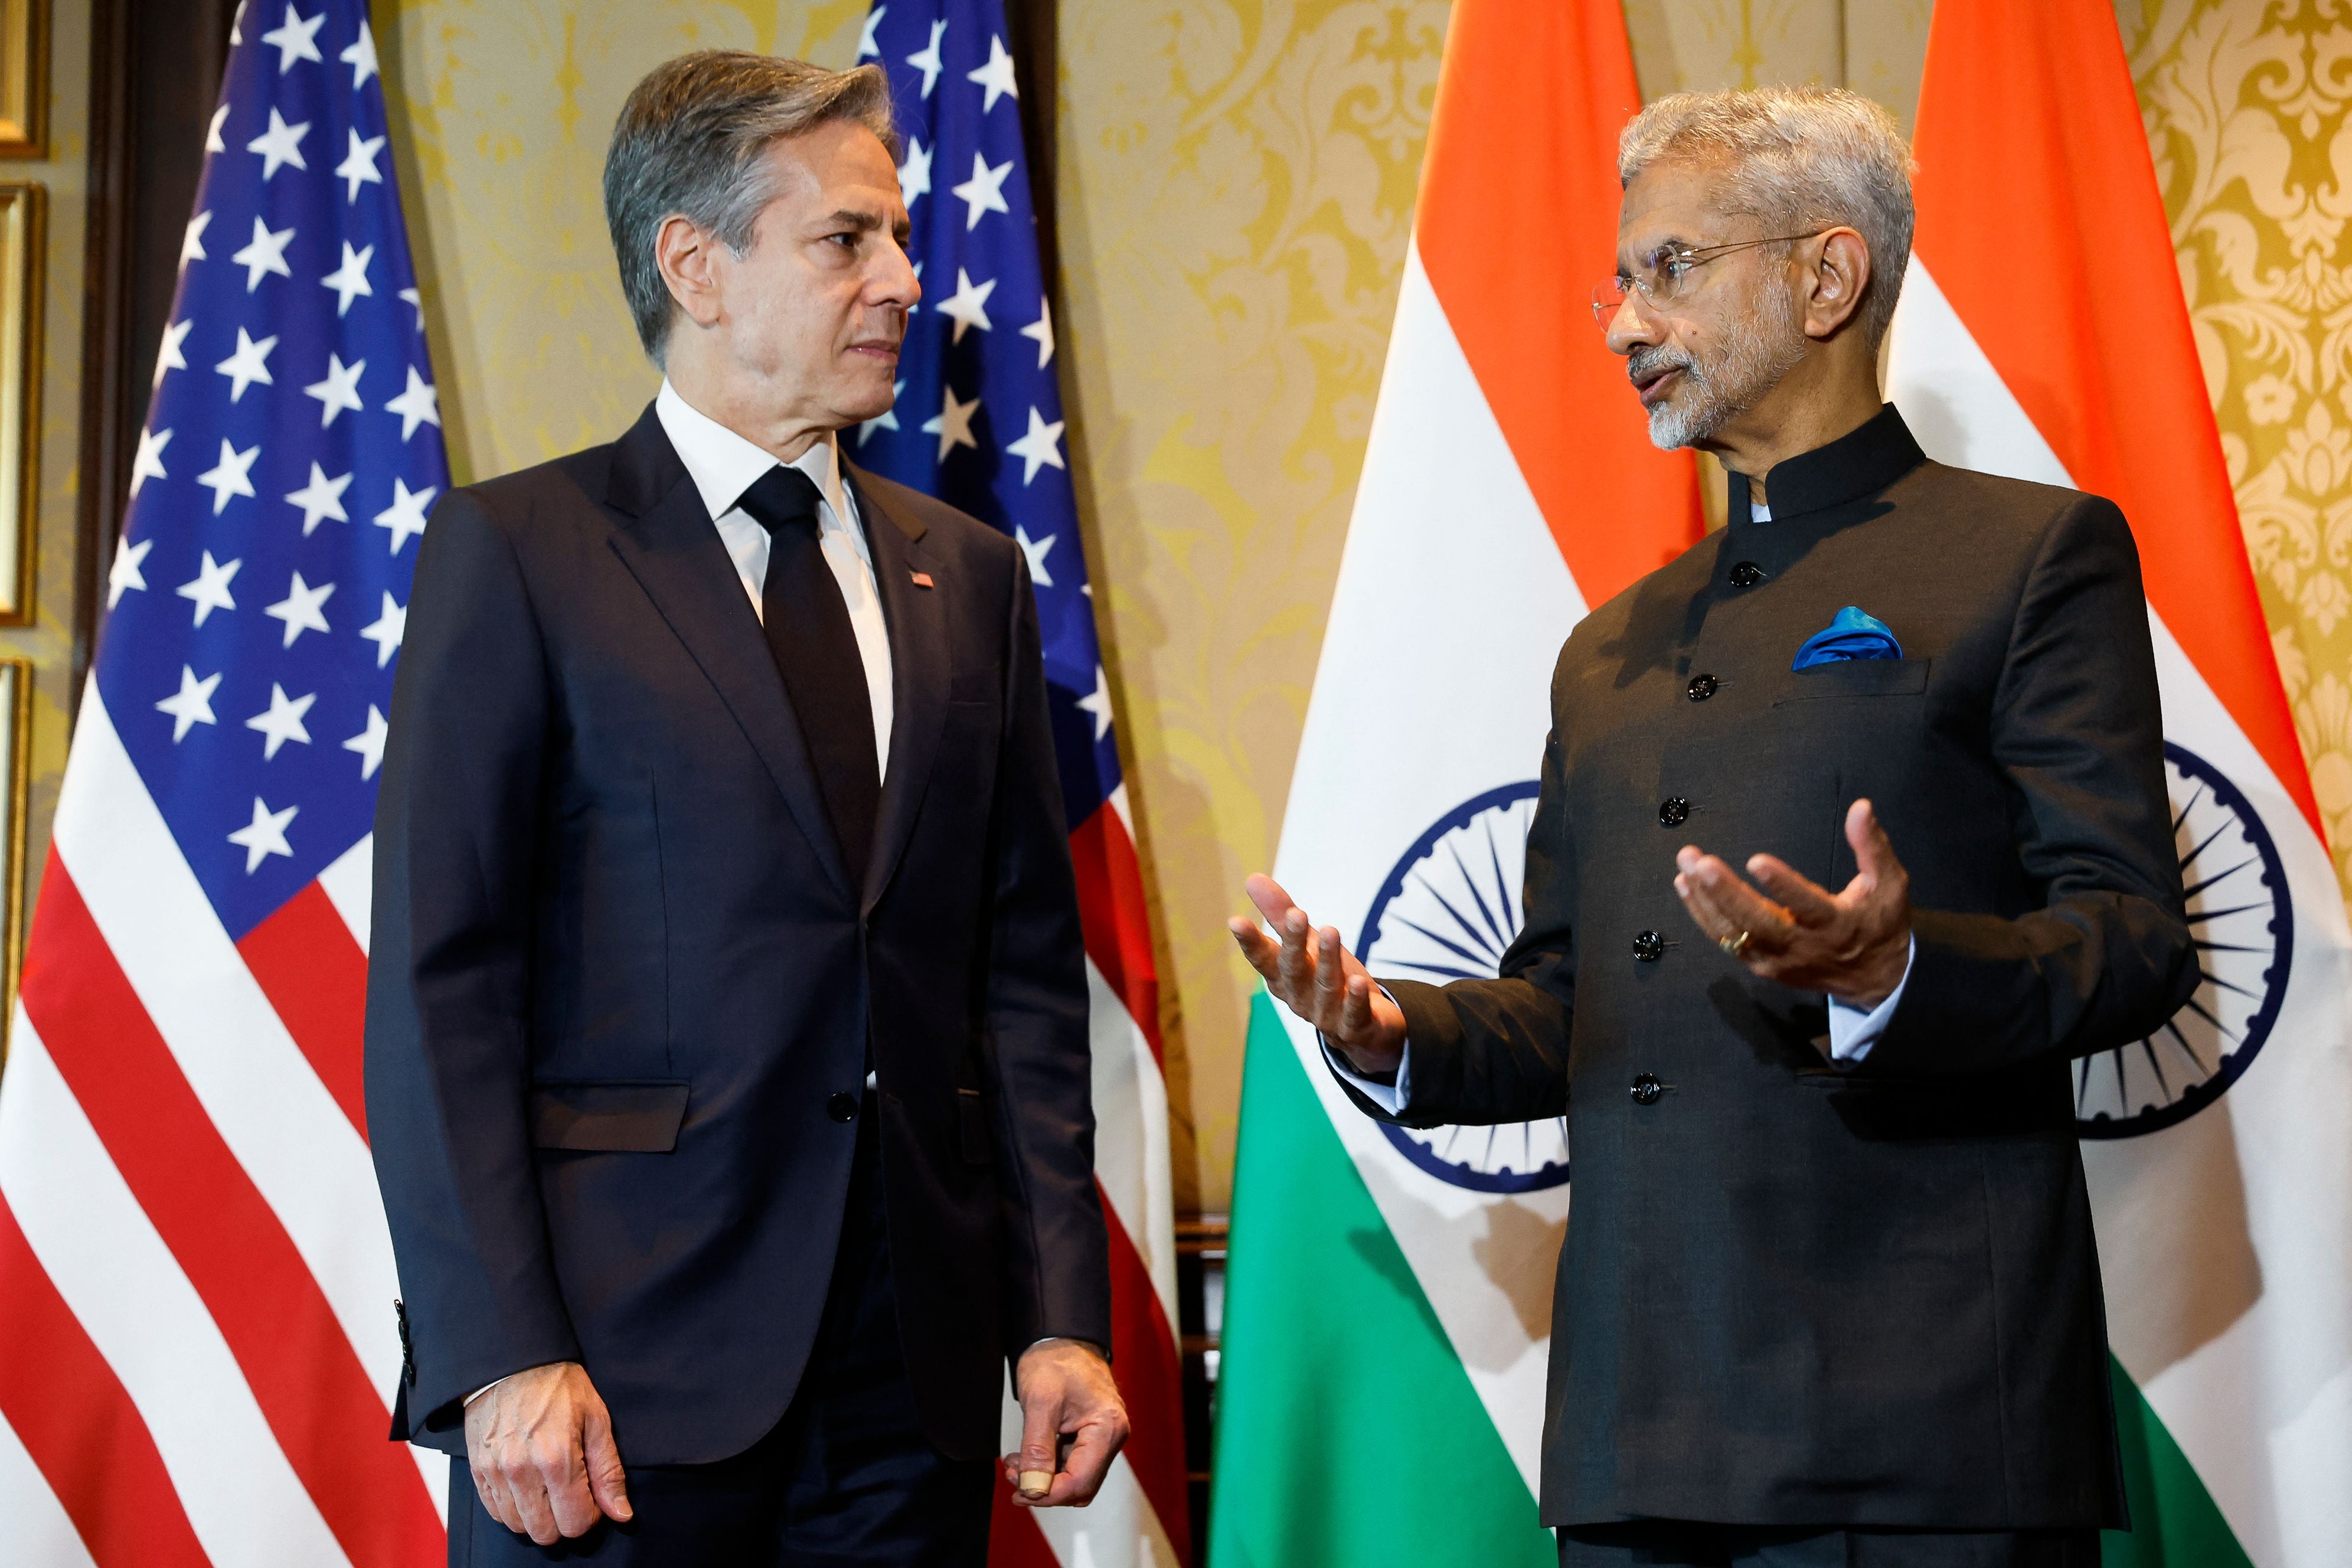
column 674, row 553
column 919, row 673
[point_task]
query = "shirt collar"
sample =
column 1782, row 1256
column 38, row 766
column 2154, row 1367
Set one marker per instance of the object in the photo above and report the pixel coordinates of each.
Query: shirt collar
column 1862, row 462
column 723, row 464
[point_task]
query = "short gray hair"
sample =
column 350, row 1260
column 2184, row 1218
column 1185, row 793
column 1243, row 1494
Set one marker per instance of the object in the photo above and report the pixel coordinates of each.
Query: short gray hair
column 1798, row 159
column 687, row 145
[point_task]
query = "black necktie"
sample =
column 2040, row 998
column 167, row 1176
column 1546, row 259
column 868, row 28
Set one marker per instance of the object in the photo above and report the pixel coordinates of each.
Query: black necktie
column 815, row 649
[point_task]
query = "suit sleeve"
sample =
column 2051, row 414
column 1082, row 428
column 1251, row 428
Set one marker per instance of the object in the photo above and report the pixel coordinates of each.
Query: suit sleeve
column 448, row 982
column 2078, row 733
column 1058, row 1281
column 1486, row 1051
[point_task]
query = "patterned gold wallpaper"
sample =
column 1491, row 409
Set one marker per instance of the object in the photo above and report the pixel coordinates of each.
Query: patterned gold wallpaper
column 1236, row 179
column 2245, row 109
column 49, row 641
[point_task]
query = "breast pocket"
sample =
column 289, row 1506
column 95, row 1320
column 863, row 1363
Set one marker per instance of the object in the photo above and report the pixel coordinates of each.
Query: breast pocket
column 1857, row 677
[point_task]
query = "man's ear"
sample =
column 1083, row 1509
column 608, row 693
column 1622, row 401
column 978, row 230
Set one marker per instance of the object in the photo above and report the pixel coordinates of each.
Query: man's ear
column 1836, row 283
column 684, row 254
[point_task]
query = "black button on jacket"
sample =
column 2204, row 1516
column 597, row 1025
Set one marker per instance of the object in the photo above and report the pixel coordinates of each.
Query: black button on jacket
column 1790, row 1294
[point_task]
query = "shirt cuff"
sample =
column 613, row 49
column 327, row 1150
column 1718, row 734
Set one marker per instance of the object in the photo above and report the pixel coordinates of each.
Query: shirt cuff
column 1390, row 1096
column 1853, row 1030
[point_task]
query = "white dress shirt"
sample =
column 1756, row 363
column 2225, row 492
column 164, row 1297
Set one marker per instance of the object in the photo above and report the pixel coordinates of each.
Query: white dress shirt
column 723, row 466
column 1853, row 1030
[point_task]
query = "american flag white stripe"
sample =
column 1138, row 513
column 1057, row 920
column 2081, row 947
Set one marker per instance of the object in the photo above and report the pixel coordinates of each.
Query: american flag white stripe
column 38, row 1526
column 198, row 1348
column 121, row 1282
column 350, row 882
column 1131, row 1167
column 1118, row 1528
column 261, row 1093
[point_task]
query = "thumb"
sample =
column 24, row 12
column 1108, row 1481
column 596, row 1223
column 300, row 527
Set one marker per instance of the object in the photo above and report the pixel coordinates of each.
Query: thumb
column 1040, row 1438
column 603, row 1456
column 1873, row 852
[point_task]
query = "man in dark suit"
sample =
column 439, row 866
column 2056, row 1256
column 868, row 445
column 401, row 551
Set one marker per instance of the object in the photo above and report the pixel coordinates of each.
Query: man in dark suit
column 1829, row 1293
column 726, row 1059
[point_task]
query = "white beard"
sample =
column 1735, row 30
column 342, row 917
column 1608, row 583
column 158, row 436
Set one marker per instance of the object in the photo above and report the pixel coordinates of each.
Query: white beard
column 1763, row 345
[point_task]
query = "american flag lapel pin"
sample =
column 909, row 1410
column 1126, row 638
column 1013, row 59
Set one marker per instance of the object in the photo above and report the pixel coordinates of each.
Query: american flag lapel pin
column 923, row 580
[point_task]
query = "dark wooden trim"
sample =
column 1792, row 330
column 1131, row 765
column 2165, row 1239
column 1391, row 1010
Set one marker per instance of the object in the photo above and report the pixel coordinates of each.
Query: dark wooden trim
column 1035, row 26
column 105, row 311
column 155, row 72
column 1200, row 1282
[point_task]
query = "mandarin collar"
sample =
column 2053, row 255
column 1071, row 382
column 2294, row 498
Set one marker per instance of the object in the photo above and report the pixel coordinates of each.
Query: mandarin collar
column 1862, row 462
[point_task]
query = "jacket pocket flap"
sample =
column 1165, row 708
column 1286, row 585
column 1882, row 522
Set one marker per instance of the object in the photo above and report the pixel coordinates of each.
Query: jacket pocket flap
column 1859, row 678
column 640, row 1117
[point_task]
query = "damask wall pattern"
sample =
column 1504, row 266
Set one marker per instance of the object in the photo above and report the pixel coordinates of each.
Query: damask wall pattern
column 1235, row 181
column 2245, row 109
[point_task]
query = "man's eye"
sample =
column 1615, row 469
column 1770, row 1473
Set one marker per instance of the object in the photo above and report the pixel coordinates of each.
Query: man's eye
column 848, row 241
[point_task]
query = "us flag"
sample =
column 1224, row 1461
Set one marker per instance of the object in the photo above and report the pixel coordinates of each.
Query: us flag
column 978, row 422
column 197, row 1340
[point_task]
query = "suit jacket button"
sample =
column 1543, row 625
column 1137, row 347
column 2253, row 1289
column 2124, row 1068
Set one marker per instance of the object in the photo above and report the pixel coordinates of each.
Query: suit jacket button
column 1649, row 946
column 1647, row 1090
column 1672, row 811
column 842, row 1108
column 1747, row 575
column 1701, row 688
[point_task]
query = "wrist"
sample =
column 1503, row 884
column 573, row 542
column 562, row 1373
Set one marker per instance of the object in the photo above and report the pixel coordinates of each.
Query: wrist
column 1052, row 1340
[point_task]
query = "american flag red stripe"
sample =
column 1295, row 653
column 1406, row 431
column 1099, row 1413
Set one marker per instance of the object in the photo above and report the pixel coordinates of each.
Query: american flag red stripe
column 1143, row 1352
column 317, row 1399
column 77, row 1424
column 315, row 976
column 1117, row 920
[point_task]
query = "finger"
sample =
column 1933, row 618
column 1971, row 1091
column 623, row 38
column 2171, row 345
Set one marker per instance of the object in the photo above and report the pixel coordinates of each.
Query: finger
column 532, row 1515
column 503, row 1488
column 1088, row 1463
column 1736, row 906
column 1356, row 1009
column 607, row 1483
column 1295, row 963
column 1261, row 950
column 1330, row 978
column 1040, row 1418
column 1267, row 895
column 1808, row 903
column 1698, row 901
column 493, row 1493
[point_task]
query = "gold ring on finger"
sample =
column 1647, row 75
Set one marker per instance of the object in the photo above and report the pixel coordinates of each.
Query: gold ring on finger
column 1734, row 946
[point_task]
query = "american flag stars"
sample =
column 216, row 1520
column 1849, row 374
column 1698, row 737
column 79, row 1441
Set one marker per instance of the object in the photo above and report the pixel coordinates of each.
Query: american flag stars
column 252, row 631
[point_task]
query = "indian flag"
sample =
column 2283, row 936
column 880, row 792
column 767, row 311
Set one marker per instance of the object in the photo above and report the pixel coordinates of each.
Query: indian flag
column 1388, row 1307
column 2042, row 334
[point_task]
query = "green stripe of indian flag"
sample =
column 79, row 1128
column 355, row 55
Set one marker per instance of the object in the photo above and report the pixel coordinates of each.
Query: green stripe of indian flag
column 1347, row 1433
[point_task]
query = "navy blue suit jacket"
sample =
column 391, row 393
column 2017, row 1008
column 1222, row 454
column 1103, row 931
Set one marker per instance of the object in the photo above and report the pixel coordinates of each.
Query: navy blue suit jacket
column 620, row 969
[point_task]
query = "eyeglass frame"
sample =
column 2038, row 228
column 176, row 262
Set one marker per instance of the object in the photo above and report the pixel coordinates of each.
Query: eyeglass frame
column 1690, row 256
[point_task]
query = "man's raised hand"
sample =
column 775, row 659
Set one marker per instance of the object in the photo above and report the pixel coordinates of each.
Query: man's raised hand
column 1310, row 972
column 1853, row 945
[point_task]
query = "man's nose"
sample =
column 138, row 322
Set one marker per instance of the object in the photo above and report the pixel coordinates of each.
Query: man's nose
column 1629, row 329
column 899, row 284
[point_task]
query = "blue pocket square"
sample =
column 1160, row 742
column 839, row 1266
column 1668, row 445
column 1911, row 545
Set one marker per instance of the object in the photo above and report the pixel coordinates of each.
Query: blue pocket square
column 1852, row 634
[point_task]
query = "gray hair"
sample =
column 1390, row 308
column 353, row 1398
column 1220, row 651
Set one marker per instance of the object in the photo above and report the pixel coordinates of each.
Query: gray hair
column 1798, row 159
column 688, row 144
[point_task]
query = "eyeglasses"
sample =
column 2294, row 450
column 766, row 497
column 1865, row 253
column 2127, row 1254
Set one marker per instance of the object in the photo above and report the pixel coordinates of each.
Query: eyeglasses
column 1667, row 275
